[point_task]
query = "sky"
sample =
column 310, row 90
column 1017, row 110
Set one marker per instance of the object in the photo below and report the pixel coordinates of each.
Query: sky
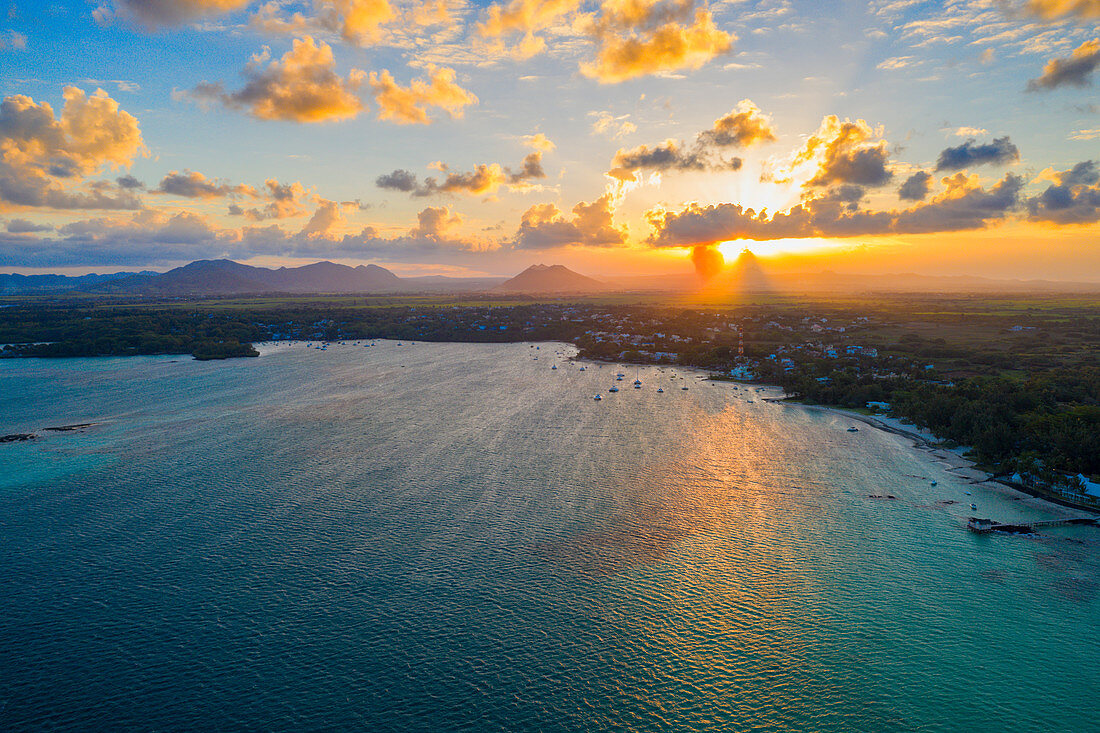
column 613, row 136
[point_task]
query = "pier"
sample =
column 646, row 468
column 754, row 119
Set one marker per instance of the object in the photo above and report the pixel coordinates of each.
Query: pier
column 988, row 525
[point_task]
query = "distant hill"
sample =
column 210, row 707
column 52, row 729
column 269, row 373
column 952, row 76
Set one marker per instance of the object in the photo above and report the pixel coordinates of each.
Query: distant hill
column 550, row 279
column 225, row 277
column 16, row 284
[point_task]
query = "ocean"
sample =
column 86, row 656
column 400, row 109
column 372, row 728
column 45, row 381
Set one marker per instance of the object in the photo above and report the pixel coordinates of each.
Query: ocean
column 446, row 537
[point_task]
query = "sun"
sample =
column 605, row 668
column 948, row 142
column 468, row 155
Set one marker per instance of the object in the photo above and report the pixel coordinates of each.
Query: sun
column 732, row 248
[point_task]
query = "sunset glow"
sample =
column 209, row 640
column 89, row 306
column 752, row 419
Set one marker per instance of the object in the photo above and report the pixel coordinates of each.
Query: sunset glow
column 478, row 137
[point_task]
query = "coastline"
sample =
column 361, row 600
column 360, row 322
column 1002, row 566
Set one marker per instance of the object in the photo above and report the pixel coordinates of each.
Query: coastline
column 956, row 463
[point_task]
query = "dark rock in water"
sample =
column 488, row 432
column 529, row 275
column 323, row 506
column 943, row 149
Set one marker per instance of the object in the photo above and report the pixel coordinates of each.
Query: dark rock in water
column 67, row 428
column 16, row 437
column 881, row 496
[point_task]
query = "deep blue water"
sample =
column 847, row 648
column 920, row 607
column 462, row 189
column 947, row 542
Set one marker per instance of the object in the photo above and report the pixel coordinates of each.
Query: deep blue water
column 456, row 537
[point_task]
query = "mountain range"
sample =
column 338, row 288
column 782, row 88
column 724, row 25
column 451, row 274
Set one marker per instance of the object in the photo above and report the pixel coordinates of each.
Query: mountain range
column 206, row 278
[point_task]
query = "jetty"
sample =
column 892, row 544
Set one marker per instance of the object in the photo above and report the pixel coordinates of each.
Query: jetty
column 988, row 525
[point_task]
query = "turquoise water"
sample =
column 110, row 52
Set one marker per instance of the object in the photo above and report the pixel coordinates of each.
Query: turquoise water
column 456, row 537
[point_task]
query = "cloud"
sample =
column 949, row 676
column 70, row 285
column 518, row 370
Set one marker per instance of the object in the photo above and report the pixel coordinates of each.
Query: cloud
column 409, row 105
column 963, row 205
column 45, row 161
column 669, row 155
column 356, row 21
column 155, row 13
column 526, row 17
column 129, row 182
column 970, row 131
column 840, row 152
column 610, row 126
column 484, row 179
column 999, row 152
column 192, row 184
column 631, row 38
column 23, row 226
column 1072, row 71
column 1052, row 9
column 147, row 237
column 302, row 86
column 916, row 187
column 544, row 226
column 284, row 201
column 14, row 40
column 1074, row 197
column 745, row 126
column 630, row 44
column 400, row 180
column 539, row 142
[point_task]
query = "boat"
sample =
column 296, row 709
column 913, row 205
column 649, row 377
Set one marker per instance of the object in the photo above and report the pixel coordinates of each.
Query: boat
column 582, row 369
column 660, row 390
column 934, row 483
column 973, row 506
column 597, row 397
column 619, row 378
column 613, row 389
column 684, row 388
column 853, row 429
column 554, row 367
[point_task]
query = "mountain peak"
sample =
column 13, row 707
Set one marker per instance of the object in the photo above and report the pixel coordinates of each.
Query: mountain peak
column 551, row 279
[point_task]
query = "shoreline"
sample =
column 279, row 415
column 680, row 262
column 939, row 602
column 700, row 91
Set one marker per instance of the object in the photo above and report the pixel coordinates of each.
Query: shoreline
column 957, row 464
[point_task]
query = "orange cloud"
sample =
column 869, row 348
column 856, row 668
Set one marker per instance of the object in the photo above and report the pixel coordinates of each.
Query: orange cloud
column 839, row 153
column 42, row 157
column 539, row 142
column 302, row 86
column 745, row 126
column 544, row 226
column 285, row 200
column 626, row 52
column 526, row 17
column 356, row 21
column 1050, row 9
column 409, row 105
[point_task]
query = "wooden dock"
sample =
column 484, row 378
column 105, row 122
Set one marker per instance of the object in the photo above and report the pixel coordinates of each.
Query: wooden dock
column 988, row 525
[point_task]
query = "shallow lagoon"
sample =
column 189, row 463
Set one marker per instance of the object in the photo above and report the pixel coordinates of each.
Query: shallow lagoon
column 455, row 536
